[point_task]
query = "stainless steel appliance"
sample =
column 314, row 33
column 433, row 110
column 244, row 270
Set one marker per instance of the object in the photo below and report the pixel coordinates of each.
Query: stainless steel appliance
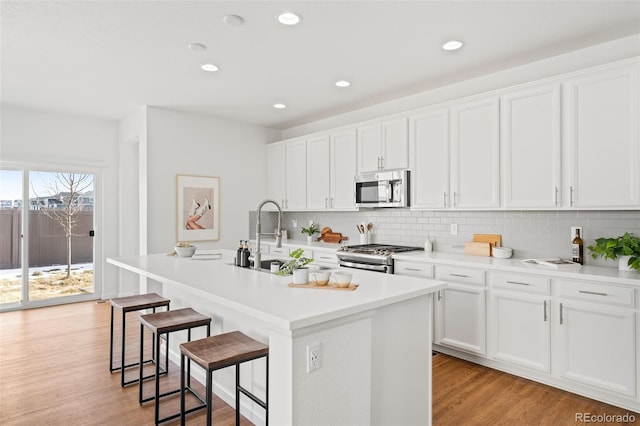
column 373, row 257
column 389, row 188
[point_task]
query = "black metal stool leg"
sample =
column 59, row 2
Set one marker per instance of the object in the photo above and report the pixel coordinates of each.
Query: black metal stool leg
column 237, row 394
column 141, row 380
column 122, row 353
column 182, row 393
column 266, row 394
column 209, row 389
column 157, row 377
column 111, row 343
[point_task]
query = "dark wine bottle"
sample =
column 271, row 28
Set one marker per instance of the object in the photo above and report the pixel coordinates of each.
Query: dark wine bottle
column 577, row 248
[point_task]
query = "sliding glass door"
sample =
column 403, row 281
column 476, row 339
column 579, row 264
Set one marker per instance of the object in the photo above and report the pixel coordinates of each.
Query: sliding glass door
column 47, row 248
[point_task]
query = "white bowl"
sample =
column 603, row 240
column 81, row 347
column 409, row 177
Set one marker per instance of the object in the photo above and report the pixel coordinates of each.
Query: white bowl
column 185, row 251
column 502, row 252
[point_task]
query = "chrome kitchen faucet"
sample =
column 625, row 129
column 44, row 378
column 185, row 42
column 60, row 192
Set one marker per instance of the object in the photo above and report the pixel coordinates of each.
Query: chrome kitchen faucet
column 257, row 254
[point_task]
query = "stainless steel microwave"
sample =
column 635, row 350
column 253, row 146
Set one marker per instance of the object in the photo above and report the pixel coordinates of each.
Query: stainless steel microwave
column 388, row 188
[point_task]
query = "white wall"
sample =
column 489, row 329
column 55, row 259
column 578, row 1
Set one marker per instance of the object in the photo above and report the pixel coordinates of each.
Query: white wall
column 192, row 144
column 32, row 136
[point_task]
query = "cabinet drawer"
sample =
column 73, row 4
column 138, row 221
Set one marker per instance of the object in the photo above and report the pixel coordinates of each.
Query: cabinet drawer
column 325, row 257
column 414, row 269
column 460, row 275
column 599, row 293
column 520, row 282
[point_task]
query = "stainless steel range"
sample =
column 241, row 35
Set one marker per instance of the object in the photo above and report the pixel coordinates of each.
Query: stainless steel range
column 373, row 257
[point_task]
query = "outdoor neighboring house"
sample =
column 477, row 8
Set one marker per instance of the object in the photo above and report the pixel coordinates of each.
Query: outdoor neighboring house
column 56, row 201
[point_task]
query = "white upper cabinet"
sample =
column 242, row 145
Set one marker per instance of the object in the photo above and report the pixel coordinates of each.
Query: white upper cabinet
column 296, row 175
column 331, row 166
column 276, row 179
column 475, row 154
column 343, row 169
column 602, row 138
column 531, row 147
column 429, row 153
column 318, row 172
column 383, row 146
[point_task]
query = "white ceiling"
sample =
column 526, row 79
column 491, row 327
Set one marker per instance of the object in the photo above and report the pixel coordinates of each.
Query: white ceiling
column 105, row 58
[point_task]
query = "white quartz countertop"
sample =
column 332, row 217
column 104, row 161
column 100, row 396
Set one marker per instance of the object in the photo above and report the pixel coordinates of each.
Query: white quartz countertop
column 267, row 297
column 585, row 272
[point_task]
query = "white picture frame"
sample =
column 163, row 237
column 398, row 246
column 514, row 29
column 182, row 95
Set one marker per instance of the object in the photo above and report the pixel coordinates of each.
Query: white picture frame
column 198, row 208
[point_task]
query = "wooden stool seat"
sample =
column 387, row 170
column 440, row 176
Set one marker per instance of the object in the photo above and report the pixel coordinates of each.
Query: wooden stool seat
column 163, row 323
column 224, row 350
column 220, row 351
column 179, row 319
column 130, row 304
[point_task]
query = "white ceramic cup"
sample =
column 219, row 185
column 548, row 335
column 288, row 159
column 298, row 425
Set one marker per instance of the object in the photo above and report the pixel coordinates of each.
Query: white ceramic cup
column 275, row 267
column 341, row 279
column 301, row 276
column 321, row 277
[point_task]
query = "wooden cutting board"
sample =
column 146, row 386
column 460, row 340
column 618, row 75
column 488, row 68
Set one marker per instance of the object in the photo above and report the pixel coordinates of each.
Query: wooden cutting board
column 477, row 248
column 313, row 284
column 495, row 240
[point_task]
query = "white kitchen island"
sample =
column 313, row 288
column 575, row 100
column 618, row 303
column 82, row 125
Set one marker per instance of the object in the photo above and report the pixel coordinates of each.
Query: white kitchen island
column 375, row 342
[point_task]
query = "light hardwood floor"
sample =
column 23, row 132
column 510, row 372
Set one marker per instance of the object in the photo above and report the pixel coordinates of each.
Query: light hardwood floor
column 469, row 394
column 54, row 371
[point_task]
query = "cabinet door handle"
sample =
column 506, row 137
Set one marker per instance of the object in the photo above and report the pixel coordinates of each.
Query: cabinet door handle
column 455, row 199
column 545, row 311
column 556, row 195
column 412, row 269
column 459, row 275
column 561, row 318
column 439, row 296
column 445, row 199
column 326, row 257
column 517, row 283
column 595, row 293
column 331, row 202
column 381, row 163
column 326, row 202
column 571, row 195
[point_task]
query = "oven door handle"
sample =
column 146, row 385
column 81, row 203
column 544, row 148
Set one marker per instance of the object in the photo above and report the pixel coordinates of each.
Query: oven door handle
column 379, row 268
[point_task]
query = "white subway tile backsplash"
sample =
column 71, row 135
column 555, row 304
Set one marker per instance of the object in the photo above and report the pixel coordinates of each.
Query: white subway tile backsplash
column 529, row 233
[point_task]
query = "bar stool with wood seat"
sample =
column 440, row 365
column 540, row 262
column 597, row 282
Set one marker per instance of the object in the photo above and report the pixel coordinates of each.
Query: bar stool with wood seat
column 163, row 323
column 131, row 304
column 220, row 351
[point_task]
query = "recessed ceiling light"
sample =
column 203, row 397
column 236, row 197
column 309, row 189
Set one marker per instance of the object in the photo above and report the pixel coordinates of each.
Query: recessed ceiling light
column 209, row 67
column 235, row 20
column 343, row 83
column 279, row 106
column 452, row 45
column 197, row 47
column 289, row 18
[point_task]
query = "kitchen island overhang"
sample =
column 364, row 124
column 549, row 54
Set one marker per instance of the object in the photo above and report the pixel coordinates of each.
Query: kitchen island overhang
column 375, row 342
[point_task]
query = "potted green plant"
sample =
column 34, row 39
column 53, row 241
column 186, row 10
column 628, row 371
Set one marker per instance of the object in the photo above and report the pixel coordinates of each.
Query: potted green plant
column 625, row 248
column 296, row 266
column 312, row 229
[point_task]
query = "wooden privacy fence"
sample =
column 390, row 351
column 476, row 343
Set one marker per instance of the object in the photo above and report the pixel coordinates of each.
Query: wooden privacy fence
column 47, row 243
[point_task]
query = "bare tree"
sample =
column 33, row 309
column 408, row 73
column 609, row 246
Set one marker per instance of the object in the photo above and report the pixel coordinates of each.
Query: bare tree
column 68, row 187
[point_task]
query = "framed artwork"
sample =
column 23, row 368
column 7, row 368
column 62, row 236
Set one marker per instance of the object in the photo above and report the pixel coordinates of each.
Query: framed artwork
column 198, row 208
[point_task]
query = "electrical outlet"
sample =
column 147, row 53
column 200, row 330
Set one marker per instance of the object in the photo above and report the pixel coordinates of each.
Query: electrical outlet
column 313, row 357
column 454, row 229
column 573, row 232
column 294, row 223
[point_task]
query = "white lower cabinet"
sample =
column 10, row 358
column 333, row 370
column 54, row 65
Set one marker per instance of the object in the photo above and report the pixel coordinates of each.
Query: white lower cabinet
column 519, row 320
column 460, row 310
column 596, row 338
column 578, row 335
